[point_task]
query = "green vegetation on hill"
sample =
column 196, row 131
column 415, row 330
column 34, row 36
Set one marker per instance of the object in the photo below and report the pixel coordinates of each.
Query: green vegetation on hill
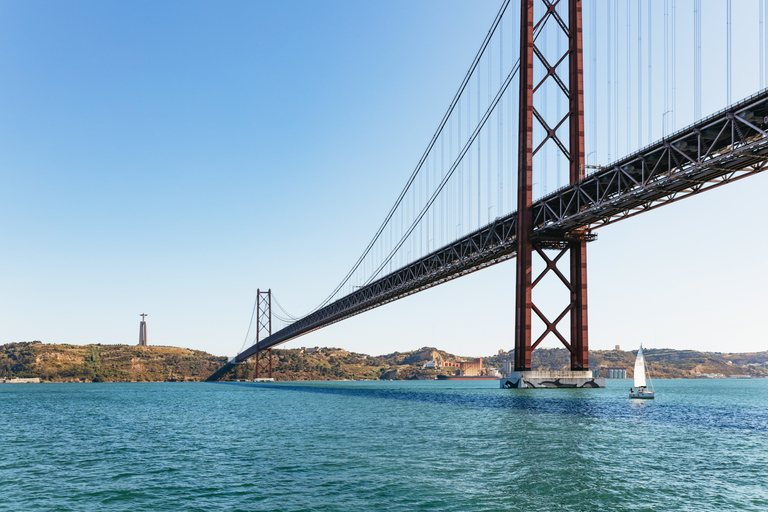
column 320, row 364
column 105, row 363
column 124, row 363
column 338, row 364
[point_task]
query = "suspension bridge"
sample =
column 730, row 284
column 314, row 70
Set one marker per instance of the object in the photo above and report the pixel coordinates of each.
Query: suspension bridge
column 517, row 140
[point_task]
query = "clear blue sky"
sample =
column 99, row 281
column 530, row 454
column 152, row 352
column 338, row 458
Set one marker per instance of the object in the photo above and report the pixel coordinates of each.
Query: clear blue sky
column 172, row 157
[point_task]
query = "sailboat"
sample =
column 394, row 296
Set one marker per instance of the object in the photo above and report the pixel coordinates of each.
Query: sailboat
column 640, row 390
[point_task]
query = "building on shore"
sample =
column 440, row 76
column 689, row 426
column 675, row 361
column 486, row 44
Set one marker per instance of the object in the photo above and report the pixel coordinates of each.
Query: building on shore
column 613, row 373
column 473, row 368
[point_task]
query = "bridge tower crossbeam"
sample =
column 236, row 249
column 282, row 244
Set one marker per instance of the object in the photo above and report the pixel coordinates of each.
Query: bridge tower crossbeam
column 573, row 242
column 263, row 357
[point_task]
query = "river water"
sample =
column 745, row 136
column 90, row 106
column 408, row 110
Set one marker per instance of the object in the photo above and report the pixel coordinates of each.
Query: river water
column 389, row 446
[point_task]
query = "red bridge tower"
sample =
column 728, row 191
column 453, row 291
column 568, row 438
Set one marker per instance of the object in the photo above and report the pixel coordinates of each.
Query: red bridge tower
column 572, row 243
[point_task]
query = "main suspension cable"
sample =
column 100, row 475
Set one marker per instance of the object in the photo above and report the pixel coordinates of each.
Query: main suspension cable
column 431, row 144
column 456, row 163
column 250, row 324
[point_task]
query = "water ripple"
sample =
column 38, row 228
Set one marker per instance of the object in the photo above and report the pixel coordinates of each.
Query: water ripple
column 386, row 446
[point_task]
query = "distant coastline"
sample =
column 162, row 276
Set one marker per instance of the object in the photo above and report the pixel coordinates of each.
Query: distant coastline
column 130, row 363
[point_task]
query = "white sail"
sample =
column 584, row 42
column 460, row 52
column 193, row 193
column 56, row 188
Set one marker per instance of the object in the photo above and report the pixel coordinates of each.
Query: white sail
column 640, row 369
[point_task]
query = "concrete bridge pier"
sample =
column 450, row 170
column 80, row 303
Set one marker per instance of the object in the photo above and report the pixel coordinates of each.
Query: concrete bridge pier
column 551, row 379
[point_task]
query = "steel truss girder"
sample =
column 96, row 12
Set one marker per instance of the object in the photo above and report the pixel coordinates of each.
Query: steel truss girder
column 487, row 246
column 724, row 147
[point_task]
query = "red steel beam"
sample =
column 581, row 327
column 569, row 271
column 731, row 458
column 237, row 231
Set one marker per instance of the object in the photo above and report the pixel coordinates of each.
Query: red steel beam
column 263, row 323
column 579, row 338
column 578, row 253
column 524, row 193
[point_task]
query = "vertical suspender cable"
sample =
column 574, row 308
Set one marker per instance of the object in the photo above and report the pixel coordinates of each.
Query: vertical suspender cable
column 479, row 167
column 391, row 238
column 413, row 211
column 558, row 165
column 488, row 159
column 673, row 65
column 449, row 208
column 442, row 196
column 627, row 86
column 402, row 230
column 728, row 18
column 762, row 49
column 456, row 210
column 697, row 59
column 510, row 124
column 594, row 81
column 499, row 133
column 666, row 68
column 608, row 69
column 426, row 195
column 424, row 234
column 639, row 74
column 650, row 73
column 426, row 217
column 468, row 213
column 544, row 111
column 433, row 207
column 616, row 76
column 419, row 189
column 250, row 324
column 512, row 108
column 401, row 207
column 460, row 180
column 469, row 163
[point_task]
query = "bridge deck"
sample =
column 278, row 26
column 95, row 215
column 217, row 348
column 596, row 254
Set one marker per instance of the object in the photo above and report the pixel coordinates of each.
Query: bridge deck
column 724, row 147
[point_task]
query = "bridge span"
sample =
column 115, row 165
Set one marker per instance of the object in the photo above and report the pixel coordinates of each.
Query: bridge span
column 723, row 147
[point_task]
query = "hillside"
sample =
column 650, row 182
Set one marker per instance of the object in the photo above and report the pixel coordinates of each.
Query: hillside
column 664, row 363
column 105, row 363
column 339, row 364
column 123, row 363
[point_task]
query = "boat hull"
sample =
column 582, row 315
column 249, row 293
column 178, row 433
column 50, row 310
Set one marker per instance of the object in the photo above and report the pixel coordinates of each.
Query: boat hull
column 644, row 396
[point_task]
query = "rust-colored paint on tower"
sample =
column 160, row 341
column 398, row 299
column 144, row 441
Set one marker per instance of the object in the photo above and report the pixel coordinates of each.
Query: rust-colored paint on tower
column 263, row 325
column 579, row 339
column 575, row 243
column 524, row 193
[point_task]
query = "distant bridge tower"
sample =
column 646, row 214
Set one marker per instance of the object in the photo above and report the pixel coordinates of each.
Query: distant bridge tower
column 263, row 330
column 143, row 331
